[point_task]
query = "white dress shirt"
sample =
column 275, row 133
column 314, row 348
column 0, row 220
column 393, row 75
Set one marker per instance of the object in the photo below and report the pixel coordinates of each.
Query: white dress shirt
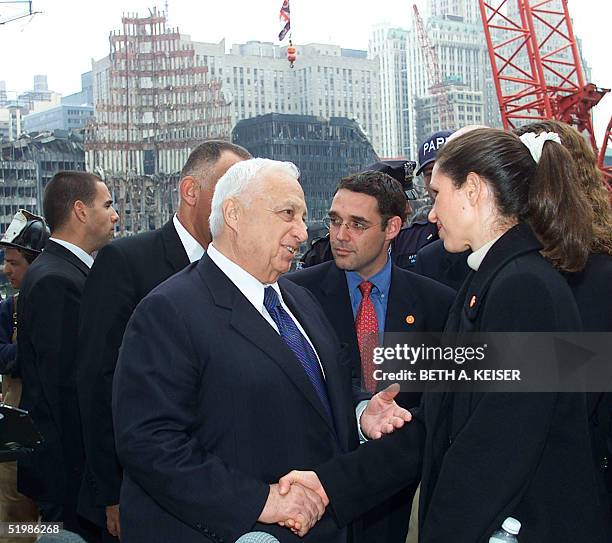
column 193, row 249
column 475, row 259
column 76, row 251
column 253, row 291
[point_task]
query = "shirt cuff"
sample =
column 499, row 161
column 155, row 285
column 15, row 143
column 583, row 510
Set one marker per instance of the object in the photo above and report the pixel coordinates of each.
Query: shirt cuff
column 358, row 412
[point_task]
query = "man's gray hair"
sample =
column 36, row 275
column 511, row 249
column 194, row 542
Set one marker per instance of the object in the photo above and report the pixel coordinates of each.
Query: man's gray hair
column 236, row 180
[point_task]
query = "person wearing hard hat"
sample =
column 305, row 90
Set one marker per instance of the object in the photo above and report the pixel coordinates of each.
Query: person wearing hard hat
column 22, row 243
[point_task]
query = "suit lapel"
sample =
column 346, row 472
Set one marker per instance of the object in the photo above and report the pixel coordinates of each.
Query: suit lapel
column 249, row 323
column 175, row 253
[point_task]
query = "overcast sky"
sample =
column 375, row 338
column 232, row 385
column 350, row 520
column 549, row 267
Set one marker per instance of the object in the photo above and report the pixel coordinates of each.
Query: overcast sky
column 62, row 40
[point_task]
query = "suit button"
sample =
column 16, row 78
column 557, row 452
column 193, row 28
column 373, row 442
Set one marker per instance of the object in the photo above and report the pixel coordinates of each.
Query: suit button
column 199, row 526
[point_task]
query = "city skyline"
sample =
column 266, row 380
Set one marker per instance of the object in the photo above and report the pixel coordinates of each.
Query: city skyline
column 62, row 41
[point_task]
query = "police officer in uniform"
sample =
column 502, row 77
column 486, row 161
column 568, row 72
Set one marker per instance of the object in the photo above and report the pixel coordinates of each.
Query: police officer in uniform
column 420, row 232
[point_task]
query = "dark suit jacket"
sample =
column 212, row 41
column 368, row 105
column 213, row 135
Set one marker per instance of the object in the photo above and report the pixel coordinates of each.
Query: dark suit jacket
column 490, row 456
column 48, row 312
column 210, row 406
column 124, row 272
column 435, row 262
column 592, row 289
column 409, row 294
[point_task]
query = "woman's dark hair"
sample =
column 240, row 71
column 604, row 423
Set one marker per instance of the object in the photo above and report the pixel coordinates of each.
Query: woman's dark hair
column 590, row 179
column 546, row 195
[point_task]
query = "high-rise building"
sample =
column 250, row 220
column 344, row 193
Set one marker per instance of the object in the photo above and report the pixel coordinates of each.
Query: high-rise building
column 388, row 45
column 62, row 117
column 455, row 30
column 326, row 81
column 155, row 100
column 461, row 10
column 466, row 104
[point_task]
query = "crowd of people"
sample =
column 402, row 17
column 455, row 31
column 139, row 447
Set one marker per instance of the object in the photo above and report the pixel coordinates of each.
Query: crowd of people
column 189, row 387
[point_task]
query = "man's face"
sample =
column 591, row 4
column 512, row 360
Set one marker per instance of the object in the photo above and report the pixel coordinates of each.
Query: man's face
column 426, row 173
column 15, row 267
column 101, row 218
column 363, row 251
column 205, row 193
column 271, row 225
column 450, row 212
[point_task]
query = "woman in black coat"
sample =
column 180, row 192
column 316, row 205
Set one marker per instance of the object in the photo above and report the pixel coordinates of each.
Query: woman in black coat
column 488, row 456
column 591, row 286
column 516, row 204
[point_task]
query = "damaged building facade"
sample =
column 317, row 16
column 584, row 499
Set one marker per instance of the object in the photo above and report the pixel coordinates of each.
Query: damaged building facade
column 325, row 151
column 28, row 163
column 155, row 101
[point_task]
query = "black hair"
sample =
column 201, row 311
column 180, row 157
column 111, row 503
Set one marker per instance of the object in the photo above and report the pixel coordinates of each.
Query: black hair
column 388, row 192
column 63, row 191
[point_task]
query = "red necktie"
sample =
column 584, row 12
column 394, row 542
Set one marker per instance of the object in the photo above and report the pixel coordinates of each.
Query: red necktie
column 366, row 326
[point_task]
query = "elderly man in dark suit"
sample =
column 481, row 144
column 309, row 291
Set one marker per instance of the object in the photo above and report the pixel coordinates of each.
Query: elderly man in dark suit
column 78, row 209
column 130, row 268
column 228, row 376
column 363, row 293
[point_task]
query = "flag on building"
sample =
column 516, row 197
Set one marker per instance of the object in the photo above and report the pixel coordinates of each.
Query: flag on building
column 285, row 20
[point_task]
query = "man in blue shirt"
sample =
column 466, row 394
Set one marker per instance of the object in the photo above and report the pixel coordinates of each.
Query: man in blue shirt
column 365, row 295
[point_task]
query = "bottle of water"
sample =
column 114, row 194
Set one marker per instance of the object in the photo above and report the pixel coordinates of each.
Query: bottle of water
column 507, row 533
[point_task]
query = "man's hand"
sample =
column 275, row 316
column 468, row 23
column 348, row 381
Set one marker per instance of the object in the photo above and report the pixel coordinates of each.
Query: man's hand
column 382, row 415
column 112, row 520
column 298, row 508
column 308, row 479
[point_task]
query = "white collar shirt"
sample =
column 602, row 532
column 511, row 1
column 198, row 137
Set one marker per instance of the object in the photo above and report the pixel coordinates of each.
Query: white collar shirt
column 475, row 259
column 253, row 290
column 193, row 249
column 76, row 251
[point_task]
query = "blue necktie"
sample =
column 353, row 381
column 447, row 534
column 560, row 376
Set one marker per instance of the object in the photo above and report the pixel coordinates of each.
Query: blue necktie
column 296, row 341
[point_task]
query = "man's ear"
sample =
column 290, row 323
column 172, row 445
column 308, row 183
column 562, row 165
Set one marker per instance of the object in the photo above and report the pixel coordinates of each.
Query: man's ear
column 394, row 225
column 80, row 211
column 231, row 213
column 189, row 188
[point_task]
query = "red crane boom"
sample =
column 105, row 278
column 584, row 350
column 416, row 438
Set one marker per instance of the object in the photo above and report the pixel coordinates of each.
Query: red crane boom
column 536, row 66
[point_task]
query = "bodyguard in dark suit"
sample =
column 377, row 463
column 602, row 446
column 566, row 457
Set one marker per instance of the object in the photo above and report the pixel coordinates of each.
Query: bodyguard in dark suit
column 130, row 268
column 365, row 216
column 227, row 376
column 488, row 456
column 78, row 209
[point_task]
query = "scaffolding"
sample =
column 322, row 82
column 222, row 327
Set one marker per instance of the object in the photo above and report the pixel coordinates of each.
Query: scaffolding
column 154, row 103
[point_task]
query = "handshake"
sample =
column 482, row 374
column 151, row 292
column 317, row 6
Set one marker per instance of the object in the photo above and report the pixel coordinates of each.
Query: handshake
column 298, row 500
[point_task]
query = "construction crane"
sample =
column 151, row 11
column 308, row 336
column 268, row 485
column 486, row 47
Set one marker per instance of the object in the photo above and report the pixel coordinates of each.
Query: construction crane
column 437, row 88
column 537, row 67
